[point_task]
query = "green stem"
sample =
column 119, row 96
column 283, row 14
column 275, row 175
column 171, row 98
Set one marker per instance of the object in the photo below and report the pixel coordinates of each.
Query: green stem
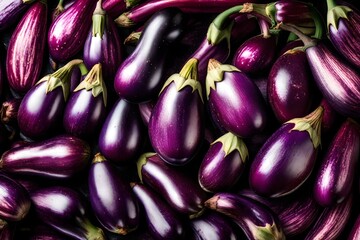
column 83, row 69
column 331, row 4
column 189, row 70
column 221, row 21
column 319, row 26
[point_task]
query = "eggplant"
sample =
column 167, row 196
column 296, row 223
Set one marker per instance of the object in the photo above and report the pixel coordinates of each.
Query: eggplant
column 9, row 110
column 336, row 173
column 256, row 220
column 64, row 210
column 331, row 118
column 178, row 189
column 60, row 8
column 67, row 34
column 140, row 76
column 115, row 7
column 111, row 198
column 355, row 230
column 60, row 157
column 8, row 232
column 26, row 49
column 223, row 163
column 44, row 232
column 122, row 135
column 162, row 221
column 14, row 200
column 145, row 110
column 176, row 125
column 11, row 10
column 235, row 102
column 288, row 156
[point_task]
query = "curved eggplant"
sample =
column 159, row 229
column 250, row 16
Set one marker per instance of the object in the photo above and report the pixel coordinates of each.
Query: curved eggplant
column 288, row 157
column 11, row 10
column 26, row 48
column 355, row 230
column 111, row 198
column 58, row 157
column 140, row 76
column 9, row 110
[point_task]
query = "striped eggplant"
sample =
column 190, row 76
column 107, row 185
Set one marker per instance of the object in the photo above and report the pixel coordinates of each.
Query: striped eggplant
column 116, row 7
column 256, row 220
column 11, row 10
column 235, row 102
column 64, row 209
column 140, row 76
column 59, row 157
column 176, row 128
column 67, row 34
column 111, row 197
column 26, row 48
column 178, row 189
column 288, row 156
column 14, row 200
column 355, row 230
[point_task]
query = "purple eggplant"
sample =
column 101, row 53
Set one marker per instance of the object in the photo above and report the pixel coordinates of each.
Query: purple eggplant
column 44, row 232
column 64, row 209
column 223, row 163
column 67, row 34
column 256, row 220
column 330, row 117
column 235, row 102
column 146, row 110
column 3, row 224
column 288, row 157
column 176, row 124
column 179, row 190
column 115, row 7
column 9, row 110
column 355, row 230
column 111, row 198
column 26, row 49
column 58, row 157
column 161, row 220
column 8, row 232
column 14, row 200
column 11, row 10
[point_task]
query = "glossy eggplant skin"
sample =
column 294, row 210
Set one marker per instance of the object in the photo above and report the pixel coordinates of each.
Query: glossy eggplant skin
column 44, row 232
column 26, row 49
column 115, row 7
column 14, row 200
column 161, row 220
column 58, row 157
column 111, row 198
column 123, row 134
column 355, row 230
column 10, row 12
column 139, row 78
column 67, row 34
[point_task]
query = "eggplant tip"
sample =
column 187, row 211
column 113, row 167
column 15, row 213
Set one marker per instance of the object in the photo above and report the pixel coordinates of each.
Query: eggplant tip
column 212, row 202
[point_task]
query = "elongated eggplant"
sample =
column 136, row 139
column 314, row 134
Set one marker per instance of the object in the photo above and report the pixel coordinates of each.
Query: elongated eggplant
column 14, row 200
column 256, row 220
column 116, row 7
column 58, row 157
column 67, row 34
column 176, row 125
column 178, row 189
column 235, row 102
column 11, row 10
column 64, row 209
column 111, row 198
column 161, row 220
column 44, row 232
column 140, row 76
column 26, row 49
column 355, row 230
column 288, row 157
column 9, row 110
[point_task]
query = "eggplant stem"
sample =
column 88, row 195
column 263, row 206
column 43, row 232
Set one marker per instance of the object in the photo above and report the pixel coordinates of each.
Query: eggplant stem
column 212, row 202
column 98, row 158
column 221, row 20
column 198, row 214
column 83, row 69
column 330, row 4
column 131, row 3
column 124, row 21
column 308, row 42
column 189, row 70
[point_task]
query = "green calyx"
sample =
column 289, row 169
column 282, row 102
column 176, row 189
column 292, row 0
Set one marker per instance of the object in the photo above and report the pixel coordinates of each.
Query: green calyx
column 94, row 82
column 269, row 232
column 310, row 123
column 131, row 3
column 142, row 161
column 92, row 232
column 230, row 143
column 28, row 1
column 334, row 14
column 215, row 35
column 215, row 73
column 98, row 20
column 98, row 158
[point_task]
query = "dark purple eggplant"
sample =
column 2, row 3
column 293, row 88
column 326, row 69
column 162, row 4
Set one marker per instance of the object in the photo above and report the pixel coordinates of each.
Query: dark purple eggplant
column 235, row 102
column 256, row 220
column 330, row 117
column 58, row 157
column 14, row 200
column 64, row 209
column 26, row 48
column 161, row 220
column 223, row 163
column 116, row 7
column 122, row 134
column 145, row 111
column 288, row 157
column 44, row 232
column 176, row 126
column 11, row 10
column 140, row 76
column 9, row 110
column 355, row 230
column 111, row 198
column 179, row 190
column 67, row 34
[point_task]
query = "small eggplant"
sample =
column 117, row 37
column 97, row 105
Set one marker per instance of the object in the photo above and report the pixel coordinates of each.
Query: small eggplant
column 235, row 102
column 161, row 220
column 179, row 190
column 140, row 76
column 256, row 220
column 26, row 48
column 115, row 7
column 355, row 230
column 14, row 200
column 63, row 209
column 9, row 110
column 11, row 10
column 288, row 157
column 176, row 126
column 223, row 163
column 58, row 157
column 111, row 198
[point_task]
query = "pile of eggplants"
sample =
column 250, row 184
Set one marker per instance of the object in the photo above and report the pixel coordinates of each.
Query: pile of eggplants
column 220, row 120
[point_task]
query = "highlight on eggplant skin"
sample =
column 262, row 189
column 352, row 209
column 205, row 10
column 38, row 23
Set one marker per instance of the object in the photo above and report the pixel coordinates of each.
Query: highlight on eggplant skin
column 10, row 11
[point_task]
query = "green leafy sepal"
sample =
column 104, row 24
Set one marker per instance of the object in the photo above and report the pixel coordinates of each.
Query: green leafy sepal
column 231, row 142
column 334, row 14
